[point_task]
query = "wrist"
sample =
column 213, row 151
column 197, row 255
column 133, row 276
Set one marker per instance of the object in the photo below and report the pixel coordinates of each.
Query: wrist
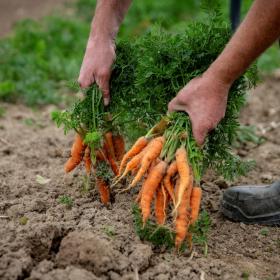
column 100, row 39
column 222, row 73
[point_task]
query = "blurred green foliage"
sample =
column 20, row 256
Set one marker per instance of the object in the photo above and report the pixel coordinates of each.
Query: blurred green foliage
column 38, row 57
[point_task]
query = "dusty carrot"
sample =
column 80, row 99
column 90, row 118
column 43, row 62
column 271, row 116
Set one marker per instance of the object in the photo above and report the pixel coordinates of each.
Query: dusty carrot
column 110, row 145
column 182, row 221
column 184, row 173
column 149, row 188
column 139, row 145
column 119, row 146
column 87, row 160
column 110, row 159
column 77, row 151
column 195, row 203
column 153, row 151
column 171, row 171
column 160, row 205
column 104, row 190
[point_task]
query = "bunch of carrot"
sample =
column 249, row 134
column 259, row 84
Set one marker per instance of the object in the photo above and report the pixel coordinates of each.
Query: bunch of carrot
column 160, row 161
column 97, row 161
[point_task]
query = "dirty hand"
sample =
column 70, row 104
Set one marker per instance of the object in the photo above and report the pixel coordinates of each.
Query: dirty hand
column 96, row 66
column 204, row 98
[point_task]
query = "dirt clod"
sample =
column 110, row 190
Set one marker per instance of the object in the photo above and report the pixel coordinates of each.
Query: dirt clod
column 87, row 250
column 140, row 256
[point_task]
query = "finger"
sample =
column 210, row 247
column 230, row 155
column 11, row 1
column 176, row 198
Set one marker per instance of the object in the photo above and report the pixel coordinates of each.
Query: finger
column 175, row 106
column 85, row 80
column 104, row 85
column 199, row 133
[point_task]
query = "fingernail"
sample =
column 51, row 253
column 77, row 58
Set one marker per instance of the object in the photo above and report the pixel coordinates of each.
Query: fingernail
column 106, row 101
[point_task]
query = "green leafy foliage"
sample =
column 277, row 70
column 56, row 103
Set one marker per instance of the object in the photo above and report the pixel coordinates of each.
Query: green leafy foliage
column 148, row 73
column 165, row 236
column 201, row 228
column 157, row 235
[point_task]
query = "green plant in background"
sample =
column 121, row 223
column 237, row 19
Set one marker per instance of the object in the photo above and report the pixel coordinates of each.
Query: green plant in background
column 66, row 200
column 38, row 57
column 247, row 133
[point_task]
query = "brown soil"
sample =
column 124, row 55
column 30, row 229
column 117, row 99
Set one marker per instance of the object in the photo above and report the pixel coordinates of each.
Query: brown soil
column 41, row 238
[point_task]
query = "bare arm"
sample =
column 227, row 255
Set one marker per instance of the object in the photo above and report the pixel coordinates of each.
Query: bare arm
column 205, row 98
column 100, row 52
column 259, row 30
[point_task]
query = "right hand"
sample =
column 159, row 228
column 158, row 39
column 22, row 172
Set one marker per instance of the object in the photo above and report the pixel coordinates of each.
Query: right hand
column 96, row 66
column 204, row 98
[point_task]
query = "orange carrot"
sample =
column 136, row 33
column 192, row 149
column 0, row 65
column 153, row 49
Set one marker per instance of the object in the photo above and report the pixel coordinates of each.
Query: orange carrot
column 77, row 151
column 110, row 159
column 171, row 171
column 100, row 155
column 133, row 164
column 160, row 205
column 110, row 145
column 182, row 221
column 149, row 188
column 87, row 160
column 195, row 203
column 104, row 190
column 184, row 173
column 138, row 197
column 153, row 151
column 119, row 146
column 139, row 145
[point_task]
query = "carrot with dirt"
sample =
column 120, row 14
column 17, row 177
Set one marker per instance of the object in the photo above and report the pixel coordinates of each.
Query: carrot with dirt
column 153, row 151
column 171, row 171
column 77, row 151
column 119, row 146
column 195, row 203
column 160, row 205
column 184, row 173
column 139, row 145
column 87, row 160
column 108, row 137
column 182, row 220
column 104, row 190
column 149, row 188
column 100, row 155
column 132, row 165
column 110, row 158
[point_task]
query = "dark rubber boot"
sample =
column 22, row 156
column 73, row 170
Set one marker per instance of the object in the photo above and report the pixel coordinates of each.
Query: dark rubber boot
column 253, row 204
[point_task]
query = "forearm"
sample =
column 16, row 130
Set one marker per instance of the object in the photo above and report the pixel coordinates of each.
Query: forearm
column 258, row 31
column 109, row 14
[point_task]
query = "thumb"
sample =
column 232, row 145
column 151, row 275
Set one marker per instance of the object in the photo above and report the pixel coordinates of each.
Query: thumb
column 199, row 132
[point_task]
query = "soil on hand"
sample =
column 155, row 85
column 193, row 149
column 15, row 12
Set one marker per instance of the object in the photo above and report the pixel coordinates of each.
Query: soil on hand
column 43, row 238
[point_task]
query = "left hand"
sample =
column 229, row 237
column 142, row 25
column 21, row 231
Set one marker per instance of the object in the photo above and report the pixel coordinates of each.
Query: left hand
column 205, row 99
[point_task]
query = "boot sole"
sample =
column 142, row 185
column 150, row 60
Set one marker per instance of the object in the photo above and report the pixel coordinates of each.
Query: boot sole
column 234, row 213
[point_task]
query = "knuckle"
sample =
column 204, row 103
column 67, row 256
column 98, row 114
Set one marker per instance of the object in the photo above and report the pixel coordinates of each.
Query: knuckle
column 103, row 73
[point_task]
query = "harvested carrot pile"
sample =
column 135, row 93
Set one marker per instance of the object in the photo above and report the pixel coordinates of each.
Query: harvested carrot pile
column 160, row 162
column 165, row 165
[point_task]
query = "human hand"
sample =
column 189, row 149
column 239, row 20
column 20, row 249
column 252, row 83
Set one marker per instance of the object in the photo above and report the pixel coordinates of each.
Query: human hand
column 96, row 66
column 205, row 99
